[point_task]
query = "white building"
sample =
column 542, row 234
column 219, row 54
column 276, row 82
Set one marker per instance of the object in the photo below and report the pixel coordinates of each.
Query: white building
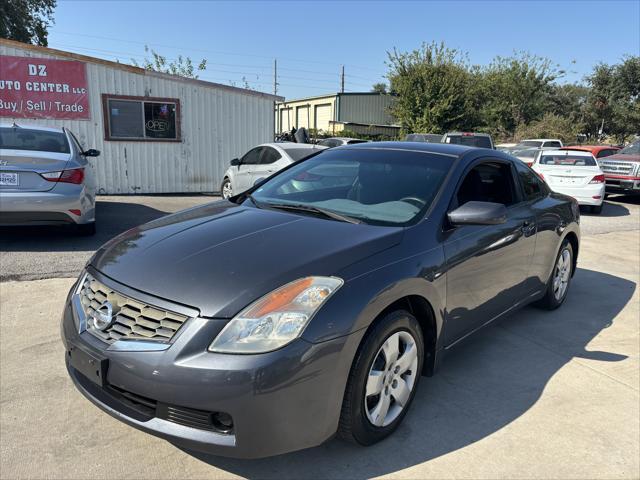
column 158, row 133
column 363, row 112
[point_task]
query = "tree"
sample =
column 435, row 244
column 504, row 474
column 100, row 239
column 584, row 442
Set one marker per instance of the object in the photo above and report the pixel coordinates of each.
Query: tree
column 379, row 87
column 182, row 66
column 432, row 84
column 26, row 21
column 514, row 91
column 550, row 126
column 613, row 103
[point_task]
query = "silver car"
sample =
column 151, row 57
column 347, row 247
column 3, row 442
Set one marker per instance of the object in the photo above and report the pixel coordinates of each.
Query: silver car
column 45, row 178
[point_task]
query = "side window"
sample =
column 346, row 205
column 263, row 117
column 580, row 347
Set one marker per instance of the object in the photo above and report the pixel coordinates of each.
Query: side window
column 532, row 187
column 553, row 144
column 488, row 182
column 252, row 157
column 269, row 155
column 605, row 153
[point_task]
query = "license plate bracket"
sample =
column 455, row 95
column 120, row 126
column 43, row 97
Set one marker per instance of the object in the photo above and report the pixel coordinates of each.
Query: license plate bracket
column 89, row 365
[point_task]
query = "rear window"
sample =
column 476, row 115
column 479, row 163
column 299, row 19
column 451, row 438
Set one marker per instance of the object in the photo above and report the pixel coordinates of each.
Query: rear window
column 300, row 153
column 469, row 140
column 568, row 160
column 528, row 153
column 530, row 143
column 34, row 140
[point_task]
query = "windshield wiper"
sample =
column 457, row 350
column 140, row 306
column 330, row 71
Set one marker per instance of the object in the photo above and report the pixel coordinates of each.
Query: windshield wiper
column 310, row 208
column 254, row 201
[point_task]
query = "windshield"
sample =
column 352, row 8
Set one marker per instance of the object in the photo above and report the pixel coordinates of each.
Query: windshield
column 37, row 140
column 568, row 160
column 633, row 149
column 300, row 153
column 529, row 143
column 470, row 140
column 382, row 187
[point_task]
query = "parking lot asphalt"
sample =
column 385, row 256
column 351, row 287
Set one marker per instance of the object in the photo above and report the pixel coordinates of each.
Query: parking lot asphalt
column 38, row 253
column 537, row 395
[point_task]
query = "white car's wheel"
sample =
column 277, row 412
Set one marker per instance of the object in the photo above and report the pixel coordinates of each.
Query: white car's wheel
column 226, row 189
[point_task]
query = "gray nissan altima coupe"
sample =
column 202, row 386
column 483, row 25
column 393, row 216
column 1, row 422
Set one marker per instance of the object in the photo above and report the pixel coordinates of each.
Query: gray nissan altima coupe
column 312, row 304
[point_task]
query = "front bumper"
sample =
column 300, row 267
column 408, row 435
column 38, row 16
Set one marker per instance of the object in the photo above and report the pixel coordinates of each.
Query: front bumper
column 280, row 401
column 47, row 208
column 620, row 184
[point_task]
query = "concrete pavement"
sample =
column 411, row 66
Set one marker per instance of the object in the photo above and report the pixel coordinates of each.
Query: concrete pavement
column 538, row 395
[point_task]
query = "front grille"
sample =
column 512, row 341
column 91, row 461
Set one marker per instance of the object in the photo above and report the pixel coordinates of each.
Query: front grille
column 615, row 167
column 133, row 320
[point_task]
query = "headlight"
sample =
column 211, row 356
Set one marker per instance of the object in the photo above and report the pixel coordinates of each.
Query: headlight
column 277, row 318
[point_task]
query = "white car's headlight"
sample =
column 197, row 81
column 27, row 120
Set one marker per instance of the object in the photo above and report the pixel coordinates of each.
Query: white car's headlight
column 277, row 318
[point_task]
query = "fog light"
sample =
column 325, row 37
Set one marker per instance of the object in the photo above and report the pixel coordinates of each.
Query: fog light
column 75, row 211
column 222, row 422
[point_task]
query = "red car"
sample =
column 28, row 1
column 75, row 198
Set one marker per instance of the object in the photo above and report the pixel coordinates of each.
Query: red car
column 597, row 151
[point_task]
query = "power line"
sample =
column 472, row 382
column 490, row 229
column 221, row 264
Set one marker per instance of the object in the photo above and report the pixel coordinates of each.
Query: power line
column 216, row 52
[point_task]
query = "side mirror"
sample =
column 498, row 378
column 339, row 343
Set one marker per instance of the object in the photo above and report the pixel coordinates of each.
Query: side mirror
column 478, row 213
column 235, row 162
column 91, row 153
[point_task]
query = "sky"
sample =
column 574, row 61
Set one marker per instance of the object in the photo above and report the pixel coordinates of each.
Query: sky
column 313, row 40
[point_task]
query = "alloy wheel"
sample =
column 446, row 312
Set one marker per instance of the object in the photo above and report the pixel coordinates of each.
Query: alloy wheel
column 391, row 379
column 561, row 274
column 227, row 191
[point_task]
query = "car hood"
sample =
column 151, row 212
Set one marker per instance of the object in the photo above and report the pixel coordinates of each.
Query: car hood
column 220, row 257
column 629, row 157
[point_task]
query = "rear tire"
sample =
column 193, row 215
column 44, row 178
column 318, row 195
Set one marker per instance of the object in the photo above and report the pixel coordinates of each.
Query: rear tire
column 383, row 379
column 560, row 280
column 86, row 229
column 596, row 209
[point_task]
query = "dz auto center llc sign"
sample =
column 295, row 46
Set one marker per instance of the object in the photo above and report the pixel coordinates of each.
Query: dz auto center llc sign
column 43, row 88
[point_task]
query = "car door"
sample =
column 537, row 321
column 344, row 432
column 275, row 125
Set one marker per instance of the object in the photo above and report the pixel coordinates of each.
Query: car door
column 270, row 162
column 487, row 265
column 243, row 175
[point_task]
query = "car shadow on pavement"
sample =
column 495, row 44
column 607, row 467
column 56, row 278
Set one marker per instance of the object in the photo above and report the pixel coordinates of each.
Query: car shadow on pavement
column 113, row 219
column 608, row 210
column 484, row 384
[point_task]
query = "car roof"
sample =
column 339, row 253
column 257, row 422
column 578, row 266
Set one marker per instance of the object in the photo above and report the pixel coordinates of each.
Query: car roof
column 289, row 145
column 590, row 148
column 477, row 134
column 437, row 148
column 540, row 140
column 32, row 127
column 580, row 153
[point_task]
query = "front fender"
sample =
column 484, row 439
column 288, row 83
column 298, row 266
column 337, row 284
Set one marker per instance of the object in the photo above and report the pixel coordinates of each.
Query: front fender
column 365, row 296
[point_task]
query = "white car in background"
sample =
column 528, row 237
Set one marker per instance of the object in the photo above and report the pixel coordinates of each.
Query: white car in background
column 262, row 162
column 572, row 173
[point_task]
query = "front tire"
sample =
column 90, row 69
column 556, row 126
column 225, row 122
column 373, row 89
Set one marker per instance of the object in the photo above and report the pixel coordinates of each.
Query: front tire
column 383, row 379
column 558, row 284
column 226, row 190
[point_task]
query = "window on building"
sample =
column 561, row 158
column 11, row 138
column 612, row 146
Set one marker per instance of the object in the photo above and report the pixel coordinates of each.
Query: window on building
column 141, row 118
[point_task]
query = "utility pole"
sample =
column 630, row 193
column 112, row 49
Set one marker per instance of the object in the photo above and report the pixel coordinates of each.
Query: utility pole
column 342, row 80
column 275, row 76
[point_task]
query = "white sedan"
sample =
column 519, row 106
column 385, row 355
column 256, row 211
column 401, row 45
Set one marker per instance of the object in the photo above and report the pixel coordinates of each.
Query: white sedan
column 573, row 173
column 261, row 162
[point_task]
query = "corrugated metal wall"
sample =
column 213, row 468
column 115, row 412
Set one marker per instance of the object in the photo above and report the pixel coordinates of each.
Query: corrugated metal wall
column 217, row 124
column 365, row 108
